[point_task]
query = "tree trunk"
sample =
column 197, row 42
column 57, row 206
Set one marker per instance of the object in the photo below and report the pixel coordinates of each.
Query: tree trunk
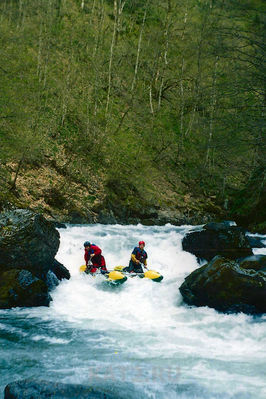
column 166, row 46
column 13, row 185
column 111, row 57
column 213, row 105
column 181, row 79
column 139, row 46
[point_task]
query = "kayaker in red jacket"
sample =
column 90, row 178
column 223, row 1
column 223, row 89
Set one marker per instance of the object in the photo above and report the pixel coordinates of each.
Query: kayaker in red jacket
column 94, row 254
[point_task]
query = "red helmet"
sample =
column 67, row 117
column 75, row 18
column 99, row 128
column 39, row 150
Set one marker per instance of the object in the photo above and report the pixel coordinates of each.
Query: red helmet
column 142, row 242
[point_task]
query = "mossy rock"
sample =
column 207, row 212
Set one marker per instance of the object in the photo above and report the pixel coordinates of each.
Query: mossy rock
column 21, row 288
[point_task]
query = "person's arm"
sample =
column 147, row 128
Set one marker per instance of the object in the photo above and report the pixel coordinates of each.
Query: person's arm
column 133, row 256
column 96, row 251
column 145, row 261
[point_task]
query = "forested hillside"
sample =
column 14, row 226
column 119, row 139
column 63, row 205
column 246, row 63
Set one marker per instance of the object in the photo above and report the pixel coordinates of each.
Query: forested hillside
column 131, row 106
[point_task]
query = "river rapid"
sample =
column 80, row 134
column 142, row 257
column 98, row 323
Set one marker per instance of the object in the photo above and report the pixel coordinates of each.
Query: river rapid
column 138, row 340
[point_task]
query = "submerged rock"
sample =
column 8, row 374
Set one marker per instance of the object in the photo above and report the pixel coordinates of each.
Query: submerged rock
column 21, row 288
column 226, row 286
column 33, row 388
column 217, row 239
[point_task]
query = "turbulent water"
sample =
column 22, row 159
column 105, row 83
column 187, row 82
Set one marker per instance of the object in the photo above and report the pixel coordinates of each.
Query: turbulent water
column 139, row 339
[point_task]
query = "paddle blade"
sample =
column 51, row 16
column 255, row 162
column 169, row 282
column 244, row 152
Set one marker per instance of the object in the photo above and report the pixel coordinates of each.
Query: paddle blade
column 82, row 268
column 119, row 268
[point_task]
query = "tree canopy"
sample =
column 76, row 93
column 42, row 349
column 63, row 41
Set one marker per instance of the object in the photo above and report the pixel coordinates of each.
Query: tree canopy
column 155, row 101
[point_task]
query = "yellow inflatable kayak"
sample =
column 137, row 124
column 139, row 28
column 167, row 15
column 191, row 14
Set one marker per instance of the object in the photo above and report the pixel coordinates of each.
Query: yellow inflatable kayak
column 150, row 274
column 115, row 276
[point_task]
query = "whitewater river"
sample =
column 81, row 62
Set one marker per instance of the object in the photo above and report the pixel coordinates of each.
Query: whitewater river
column 139, row 339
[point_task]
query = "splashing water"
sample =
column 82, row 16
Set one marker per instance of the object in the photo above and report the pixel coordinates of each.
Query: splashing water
column 138, row 339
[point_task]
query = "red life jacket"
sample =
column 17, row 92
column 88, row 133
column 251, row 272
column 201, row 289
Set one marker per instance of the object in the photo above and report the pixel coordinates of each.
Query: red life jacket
column 97, row 260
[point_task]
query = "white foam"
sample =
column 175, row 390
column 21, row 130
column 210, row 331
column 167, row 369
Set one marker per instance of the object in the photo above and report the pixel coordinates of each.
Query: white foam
column 50, row 340
column 142, row 305
column 143, row 323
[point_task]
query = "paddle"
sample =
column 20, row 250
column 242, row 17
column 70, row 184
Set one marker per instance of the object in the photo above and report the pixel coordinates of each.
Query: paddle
column 143, row 265
column 88, row 267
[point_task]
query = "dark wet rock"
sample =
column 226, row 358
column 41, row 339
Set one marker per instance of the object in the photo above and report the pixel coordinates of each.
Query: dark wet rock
column 221, row 226
column 60, row 270
column 106, row 217
column 33, row 388
column 255, row 262
column 224, row 285
column 20, row 288
column 28, row 269
column 59, row 225
column 27, row 241
column 76, row 216
column 51, row 280
column 217, row 239
column 149, row 216
column 177, row 218
column 256, row 242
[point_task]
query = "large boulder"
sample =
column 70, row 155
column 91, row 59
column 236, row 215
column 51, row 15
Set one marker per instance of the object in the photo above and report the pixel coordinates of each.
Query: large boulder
column 218, row 239
column 224, row 285
column 28, row 269
column 20, row 288
column 27, row 241
column 33, row 388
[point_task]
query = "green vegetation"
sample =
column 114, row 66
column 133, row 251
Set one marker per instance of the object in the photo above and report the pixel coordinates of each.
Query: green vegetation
column 153, row 103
